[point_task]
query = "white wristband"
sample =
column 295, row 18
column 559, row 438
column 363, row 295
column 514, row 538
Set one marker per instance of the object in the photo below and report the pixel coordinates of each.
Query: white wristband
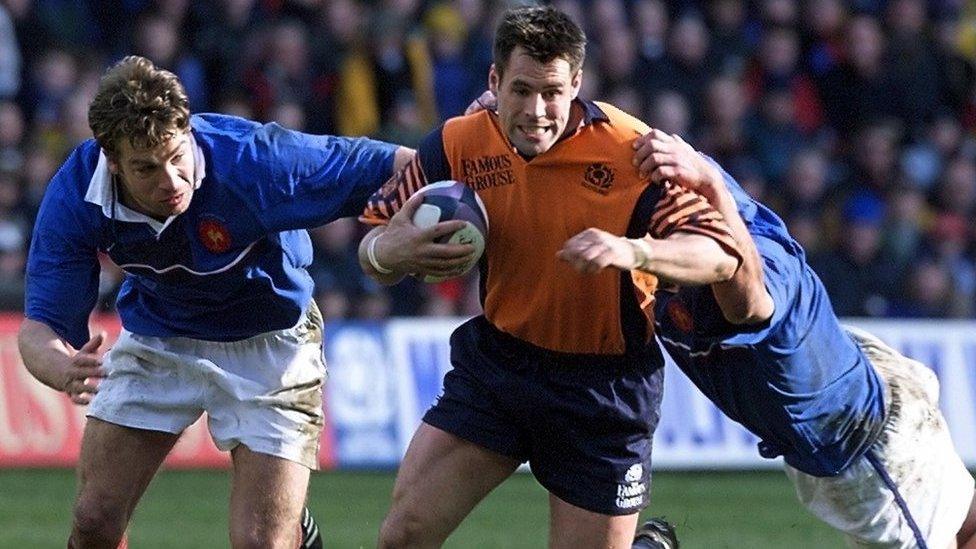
column 642, row 252
column 371, row 256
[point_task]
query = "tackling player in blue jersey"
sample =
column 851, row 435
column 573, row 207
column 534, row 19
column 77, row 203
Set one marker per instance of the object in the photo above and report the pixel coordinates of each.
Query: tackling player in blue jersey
column 207, row 216
column 857, row 424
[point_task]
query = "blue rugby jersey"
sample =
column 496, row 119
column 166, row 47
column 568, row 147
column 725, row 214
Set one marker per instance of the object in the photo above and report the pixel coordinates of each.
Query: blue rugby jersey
column 798, row 381
column 231, row 266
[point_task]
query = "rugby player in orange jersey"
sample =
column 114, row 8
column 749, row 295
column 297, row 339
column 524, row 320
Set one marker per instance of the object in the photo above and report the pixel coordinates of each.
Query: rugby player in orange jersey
column 562, row 370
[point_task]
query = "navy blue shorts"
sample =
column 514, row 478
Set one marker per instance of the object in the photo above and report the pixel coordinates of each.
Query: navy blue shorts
column 584, row 424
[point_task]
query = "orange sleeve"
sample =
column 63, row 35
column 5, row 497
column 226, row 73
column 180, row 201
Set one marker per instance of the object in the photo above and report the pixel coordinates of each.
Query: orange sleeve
column 680, row 209
column 390, row 197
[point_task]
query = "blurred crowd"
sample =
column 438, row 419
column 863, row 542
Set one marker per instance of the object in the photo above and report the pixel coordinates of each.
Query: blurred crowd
column 855, row 120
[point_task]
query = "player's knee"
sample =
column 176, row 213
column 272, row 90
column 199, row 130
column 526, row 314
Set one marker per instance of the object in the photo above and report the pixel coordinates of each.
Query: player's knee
column 97, row 522
column 405, row 530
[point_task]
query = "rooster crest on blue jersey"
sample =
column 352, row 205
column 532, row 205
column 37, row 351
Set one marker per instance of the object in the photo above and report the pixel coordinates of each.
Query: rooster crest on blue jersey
column 448, row 200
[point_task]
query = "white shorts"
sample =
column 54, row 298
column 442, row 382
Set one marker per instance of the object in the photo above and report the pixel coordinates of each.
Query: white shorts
column 911, row 483
column 264, row 392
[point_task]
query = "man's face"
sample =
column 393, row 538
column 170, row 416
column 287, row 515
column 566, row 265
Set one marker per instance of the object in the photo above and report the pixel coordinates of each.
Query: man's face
column 157, row 181
column 534, row 100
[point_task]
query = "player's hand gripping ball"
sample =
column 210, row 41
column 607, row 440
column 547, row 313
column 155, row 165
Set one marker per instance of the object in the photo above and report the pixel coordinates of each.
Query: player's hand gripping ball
column 447, row 200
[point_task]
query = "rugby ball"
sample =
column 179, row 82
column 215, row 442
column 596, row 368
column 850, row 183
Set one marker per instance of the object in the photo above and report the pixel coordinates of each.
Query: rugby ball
column 447, row 200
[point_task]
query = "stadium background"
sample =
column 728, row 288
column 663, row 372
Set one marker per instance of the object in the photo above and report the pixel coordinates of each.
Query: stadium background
column 854, row 119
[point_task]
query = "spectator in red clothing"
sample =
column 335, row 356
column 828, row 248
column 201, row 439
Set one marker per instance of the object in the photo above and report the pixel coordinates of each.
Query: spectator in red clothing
column 777, row 66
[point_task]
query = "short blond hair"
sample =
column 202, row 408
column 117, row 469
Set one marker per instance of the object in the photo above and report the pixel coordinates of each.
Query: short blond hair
column 139, row 102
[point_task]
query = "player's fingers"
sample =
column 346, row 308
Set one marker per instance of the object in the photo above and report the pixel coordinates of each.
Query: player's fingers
column 663, row 173
column 641, row 152
column 86, row 360
column 80, row 386
column 657, row 153
column 80, row 400
column 567, row 255
column 578, row 264
column 410, row 207
column 444, row 267
column 87, row 387
column 642, row 141
column 659, row 145
column 88, row 372
column 592, row 235
column 661, row 135
column 593, row 266
column 486, row 101
column 594, row 252
column 662, row 159
column 443, row 228
column 93, row 344
column 436, row 252
column 681, row 142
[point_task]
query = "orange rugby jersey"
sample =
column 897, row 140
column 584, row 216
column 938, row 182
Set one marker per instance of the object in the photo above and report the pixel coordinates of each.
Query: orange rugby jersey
column 534, row 205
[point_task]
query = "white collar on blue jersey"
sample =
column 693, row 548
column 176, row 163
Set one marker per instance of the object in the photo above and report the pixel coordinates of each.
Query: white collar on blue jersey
column 100, row 190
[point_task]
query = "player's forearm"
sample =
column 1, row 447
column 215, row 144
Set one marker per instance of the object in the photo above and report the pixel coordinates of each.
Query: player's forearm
column 685, row 259
column 372, row 266
column 743, row 298
column 41, row 350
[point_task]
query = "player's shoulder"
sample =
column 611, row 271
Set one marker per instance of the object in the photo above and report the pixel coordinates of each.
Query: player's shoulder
column 215, row 124
column 474, row 123
column 70, row 183
column 235, row 145
column 615, row 117
column 472, row 134
column 221, row 132
column 65, row 202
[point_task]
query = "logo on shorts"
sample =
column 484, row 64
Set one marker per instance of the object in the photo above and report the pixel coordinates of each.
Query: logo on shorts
column 632, row 491
column 598, row 177
column 214, row 236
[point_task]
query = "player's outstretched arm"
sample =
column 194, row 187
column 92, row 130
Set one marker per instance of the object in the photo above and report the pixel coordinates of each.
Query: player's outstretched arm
column 57, row 365
column 681, row 258
column 388, row 252
column 743, row 298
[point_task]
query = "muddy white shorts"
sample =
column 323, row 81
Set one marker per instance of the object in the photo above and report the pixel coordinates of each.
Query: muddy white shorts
column 910, row 489
column 264, row 392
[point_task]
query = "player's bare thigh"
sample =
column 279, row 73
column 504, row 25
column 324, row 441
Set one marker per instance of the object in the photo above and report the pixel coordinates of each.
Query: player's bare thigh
column 115, row 466
column 267, row 496
column 574, row 527
column 442, row 477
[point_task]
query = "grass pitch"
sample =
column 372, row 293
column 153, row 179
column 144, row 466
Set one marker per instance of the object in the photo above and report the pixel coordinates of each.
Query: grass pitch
column 188, row 509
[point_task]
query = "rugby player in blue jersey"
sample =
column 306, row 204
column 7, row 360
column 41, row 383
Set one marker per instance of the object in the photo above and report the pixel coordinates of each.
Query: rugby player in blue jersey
column 857, row 424
column 207, row 216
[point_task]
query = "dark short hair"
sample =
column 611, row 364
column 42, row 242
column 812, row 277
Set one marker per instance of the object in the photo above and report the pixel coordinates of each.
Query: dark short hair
column 139, row 102
column 545, row 34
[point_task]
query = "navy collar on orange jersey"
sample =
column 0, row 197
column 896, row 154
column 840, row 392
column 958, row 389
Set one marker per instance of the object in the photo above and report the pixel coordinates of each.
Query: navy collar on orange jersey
column 591, row 111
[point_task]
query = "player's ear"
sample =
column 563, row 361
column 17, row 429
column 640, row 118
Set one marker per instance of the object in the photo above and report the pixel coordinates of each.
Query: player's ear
column 494, row 79
column 577, row 82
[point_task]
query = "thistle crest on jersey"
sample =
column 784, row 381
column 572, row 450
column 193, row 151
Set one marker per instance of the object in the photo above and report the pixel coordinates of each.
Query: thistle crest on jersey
column 598, row 177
